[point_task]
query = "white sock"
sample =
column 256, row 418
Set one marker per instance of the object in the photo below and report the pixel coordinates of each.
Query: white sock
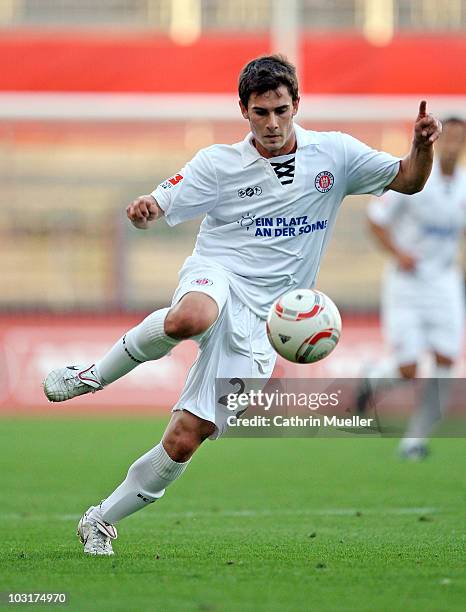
column 145, row 482
column 432, row 406
column 145, row 342
column 407, row 444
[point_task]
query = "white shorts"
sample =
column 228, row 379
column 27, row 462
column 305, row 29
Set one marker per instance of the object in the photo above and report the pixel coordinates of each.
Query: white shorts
column 235, row 346
column 420, row 315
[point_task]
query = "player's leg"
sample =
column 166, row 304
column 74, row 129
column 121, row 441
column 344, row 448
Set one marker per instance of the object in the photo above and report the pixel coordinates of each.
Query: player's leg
column 443, row 365
column 151, row 474
column 235, row 346
column 432, row 405
column 402, row 331
column 152, row 339
column 148, row 476
column 380, row 377
column 444, row 329
column 145, row 482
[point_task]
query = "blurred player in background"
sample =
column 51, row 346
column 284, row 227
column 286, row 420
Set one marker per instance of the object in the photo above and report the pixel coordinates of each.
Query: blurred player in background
column 423, row 288
column 279, row 171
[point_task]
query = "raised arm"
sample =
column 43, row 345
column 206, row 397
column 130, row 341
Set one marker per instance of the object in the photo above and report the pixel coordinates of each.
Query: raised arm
column 143, row 210
column 416, row 166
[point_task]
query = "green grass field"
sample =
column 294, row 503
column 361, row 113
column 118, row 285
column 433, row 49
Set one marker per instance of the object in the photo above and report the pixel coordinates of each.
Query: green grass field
column 265, row 524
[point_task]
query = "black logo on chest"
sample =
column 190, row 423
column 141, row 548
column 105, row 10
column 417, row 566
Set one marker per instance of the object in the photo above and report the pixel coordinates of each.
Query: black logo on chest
column 249, row 192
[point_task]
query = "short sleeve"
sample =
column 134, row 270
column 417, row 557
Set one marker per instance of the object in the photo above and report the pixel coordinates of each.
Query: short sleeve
column 367, row 170
column 385, row 210
column 190, row 193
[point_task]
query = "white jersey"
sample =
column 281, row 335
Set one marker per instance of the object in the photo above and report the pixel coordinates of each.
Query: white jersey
column 428, row 225
column 270, row 236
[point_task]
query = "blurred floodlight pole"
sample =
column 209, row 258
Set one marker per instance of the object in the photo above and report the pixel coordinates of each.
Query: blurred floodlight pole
column 379, row 21
column 8, row 10
column 284, row 29
column 185, row 21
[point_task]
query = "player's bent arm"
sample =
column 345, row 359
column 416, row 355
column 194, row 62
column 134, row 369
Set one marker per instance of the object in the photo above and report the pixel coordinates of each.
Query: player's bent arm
column 382, row 236
column 414, row 171
column 143, row 211
column 415, row 168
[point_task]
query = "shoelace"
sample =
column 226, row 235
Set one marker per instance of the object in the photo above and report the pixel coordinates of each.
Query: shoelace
column 100, row 540
column 74, row 382
column 71, row 384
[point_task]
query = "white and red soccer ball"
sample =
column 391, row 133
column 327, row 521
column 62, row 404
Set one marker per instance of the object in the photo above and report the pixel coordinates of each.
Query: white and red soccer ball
column 304, row 326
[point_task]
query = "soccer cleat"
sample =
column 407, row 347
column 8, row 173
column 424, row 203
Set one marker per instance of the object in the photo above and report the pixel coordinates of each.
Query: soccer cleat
column 95, row 533
column 414, row 452
column 65, row 383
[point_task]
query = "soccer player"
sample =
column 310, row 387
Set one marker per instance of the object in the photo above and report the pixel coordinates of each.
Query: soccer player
column 261, row 199
column 423, row 289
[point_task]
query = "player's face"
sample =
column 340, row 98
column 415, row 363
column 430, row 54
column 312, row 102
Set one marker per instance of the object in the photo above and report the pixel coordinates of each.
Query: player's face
column 451, row 142
column 270, row 117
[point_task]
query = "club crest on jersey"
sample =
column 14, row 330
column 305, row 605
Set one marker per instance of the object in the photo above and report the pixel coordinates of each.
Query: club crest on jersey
column 324, row 181
column 202, row 281
column 250, row 191
column 172, row 181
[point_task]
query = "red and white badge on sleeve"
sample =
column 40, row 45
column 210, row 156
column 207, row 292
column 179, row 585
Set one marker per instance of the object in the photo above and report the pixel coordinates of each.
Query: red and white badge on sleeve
column 202, row 281
column 172, row 181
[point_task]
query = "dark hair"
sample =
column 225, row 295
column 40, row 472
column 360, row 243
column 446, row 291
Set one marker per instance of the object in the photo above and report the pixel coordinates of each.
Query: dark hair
column 453, row 119
column 267, row 73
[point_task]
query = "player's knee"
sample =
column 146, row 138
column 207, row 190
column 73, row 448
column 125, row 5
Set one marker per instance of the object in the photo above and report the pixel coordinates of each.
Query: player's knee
column 181, row 443
column 186, row 324
column 408, row 371
column 188, row 320
column 185, row 434
column 184, row 446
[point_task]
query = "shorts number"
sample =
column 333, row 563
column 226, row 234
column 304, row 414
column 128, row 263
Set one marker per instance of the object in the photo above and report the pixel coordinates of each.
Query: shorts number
column 242, row 385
